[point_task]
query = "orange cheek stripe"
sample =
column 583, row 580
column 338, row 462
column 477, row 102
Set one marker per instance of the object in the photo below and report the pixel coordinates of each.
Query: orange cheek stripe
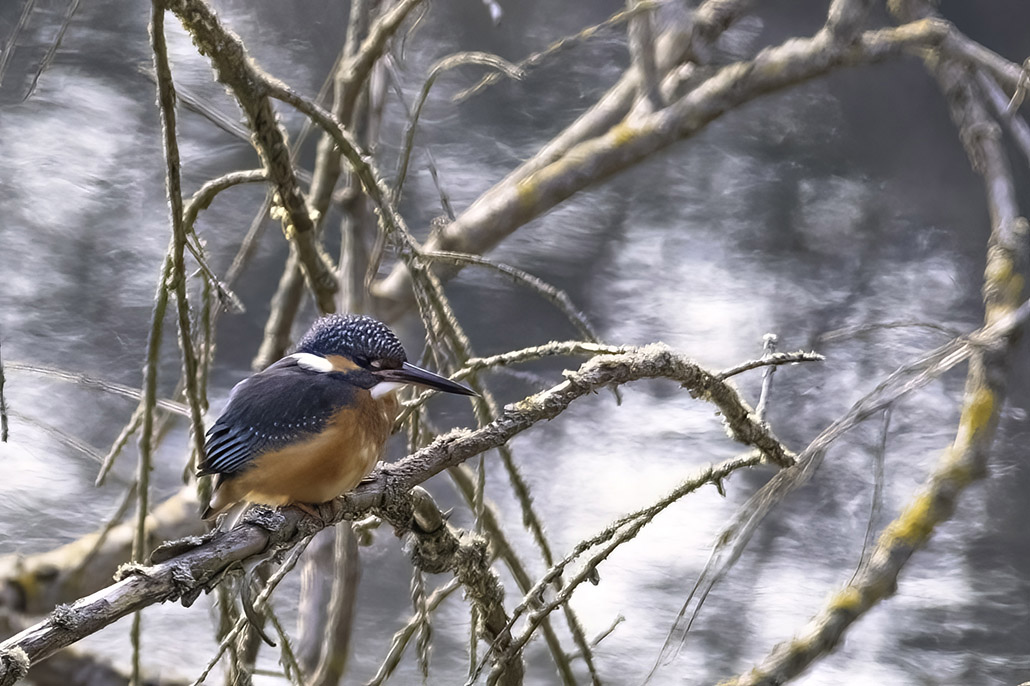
column 341, row 363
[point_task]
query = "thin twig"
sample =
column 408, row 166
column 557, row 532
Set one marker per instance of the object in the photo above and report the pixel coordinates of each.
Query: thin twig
column 876, row 501
column 768, row 348
column 773, row 360
column 48, row 58
column 403, row 635
column 60, row 435
column 641, row 35
column 288, row 658
column 166, row 102
column 344, row 566
column 201, row 200
column 259, row 603
column 1016, row 124
column 135, row 636
column 608, row 632
column 850, row 332
column 1020, row 93
column 500, row 64
column 12, row 41
column 556, row 296
column 424, row 631
column 195, row 103
column 434, row 172
column 3, row 402
column 130, row 428
column 149, row 394
column 559, row 45
column 97, row 383
column 112, row 521
column 618, row 532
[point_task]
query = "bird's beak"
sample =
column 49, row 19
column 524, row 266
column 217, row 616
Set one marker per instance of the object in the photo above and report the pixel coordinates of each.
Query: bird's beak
column 411, row 374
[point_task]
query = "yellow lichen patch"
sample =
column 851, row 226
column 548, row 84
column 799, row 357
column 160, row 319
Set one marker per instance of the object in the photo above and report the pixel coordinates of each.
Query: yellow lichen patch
column 527, row 190
column 754, row 676
column 1004, row 285
column 956, row 469
column 29, row 585
column 998, row 269
column 977, row 413
column 1014, row 288
column 914, row 524
column 289, row 229
column 801, row 644
column 848, row 599
column 624, row 133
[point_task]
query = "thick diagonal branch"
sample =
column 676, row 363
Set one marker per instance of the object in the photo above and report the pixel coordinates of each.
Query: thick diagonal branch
column 615, row 144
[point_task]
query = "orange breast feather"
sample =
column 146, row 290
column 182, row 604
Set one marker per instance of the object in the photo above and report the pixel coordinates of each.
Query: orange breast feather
column 322, row 467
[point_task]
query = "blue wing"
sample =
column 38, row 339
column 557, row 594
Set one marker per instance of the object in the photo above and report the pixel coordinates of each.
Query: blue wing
column 282, row 404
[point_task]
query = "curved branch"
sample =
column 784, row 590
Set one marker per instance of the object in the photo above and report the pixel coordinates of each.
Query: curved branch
column 112, row 387
column 500, row 64
column 557, row 297
column 965, row 460
column 649, row 362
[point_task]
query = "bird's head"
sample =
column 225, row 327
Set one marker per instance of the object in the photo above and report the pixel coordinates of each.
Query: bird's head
column 369, row 344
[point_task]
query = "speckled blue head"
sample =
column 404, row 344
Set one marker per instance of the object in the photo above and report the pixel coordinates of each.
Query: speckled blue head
column 357, row 337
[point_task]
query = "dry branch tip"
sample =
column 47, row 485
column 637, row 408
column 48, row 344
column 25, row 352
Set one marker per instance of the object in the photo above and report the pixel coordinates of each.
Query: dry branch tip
column 14, row 665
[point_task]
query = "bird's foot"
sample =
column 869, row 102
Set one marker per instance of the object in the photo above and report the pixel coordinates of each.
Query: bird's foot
column 326, row 513
column 308, row 509
column 382, row 469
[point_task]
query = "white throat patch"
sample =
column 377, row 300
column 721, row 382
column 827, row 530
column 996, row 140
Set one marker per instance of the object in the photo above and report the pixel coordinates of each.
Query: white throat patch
column 384, row 387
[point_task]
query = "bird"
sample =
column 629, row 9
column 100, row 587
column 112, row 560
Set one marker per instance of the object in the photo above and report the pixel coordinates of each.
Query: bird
column 311, row 426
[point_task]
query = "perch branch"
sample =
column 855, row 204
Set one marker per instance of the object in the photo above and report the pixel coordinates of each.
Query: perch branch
column 184, row 570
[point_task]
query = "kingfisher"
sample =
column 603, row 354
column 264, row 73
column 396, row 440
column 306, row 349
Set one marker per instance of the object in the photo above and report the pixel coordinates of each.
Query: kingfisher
column 311, row 426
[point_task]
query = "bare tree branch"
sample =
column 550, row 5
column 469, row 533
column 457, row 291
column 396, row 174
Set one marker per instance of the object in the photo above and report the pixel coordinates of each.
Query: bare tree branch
column 539, row 185
column 237, row 71
column 12, row 40
column 186, row 574
column 965, row 460
column 35, row 584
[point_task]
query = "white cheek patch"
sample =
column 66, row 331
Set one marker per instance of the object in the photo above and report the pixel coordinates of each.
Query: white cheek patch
column 313, row 363
column 384, row 387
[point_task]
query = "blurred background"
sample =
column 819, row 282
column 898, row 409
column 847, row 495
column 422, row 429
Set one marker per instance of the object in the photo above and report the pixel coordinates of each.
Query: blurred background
column 845, row 201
